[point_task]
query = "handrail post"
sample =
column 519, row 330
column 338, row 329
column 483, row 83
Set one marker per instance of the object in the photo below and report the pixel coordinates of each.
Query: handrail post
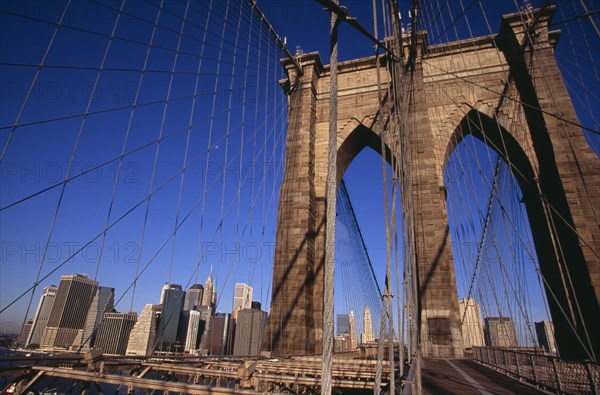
column 556, row 375
column 533, row 368
column 593, row 383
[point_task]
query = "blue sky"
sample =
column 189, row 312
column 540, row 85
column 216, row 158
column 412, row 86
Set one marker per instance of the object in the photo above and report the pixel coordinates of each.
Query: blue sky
column 238, row 172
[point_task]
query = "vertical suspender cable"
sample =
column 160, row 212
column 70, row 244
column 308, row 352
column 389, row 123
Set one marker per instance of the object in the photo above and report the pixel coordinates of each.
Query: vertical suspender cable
column 386, row 318
column 330, row 219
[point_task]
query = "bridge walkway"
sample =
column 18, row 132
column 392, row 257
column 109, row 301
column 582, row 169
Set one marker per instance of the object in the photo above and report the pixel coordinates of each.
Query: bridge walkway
column 465, row 377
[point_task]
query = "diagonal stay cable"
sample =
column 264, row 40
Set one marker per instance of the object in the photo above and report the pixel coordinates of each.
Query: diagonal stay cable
column 128, row 153
column 35, row 78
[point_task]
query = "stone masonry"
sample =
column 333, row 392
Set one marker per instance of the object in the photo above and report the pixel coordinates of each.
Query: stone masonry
column 455, row 89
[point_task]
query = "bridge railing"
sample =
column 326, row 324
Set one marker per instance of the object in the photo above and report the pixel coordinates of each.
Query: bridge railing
column 412, row 385
column 546, row 371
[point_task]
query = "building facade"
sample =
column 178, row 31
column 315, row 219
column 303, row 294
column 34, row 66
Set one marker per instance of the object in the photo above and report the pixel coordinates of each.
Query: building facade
column 113, row 334
column 143, row 336
column 545, row 335
column 103, row 302
column 69, row 311
column 242, row 297
column 367, row 335
column 209, row 296
column 193, row 297
column 249, row 331
column 173, row 298
column 42, row 314
column 500, row 332
column 472, row 325
column 25, row 331
column 352, row 330
column 219, row 335
column 195, row 327
column 343, row 324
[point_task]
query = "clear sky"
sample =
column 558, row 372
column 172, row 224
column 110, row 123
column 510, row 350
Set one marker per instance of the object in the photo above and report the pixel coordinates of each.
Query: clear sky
column 237, row 214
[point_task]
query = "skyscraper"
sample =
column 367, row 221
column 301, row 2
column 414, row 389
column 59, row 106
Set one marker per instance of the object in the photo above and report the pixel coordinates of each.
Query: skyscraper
column 25, row 331
column 193, row 297
column 367, row 335
column 472, row 327
column 249, row 330
column 545, row 334
column 208, row 297
column 173, row 298
column 69, row 311
column 242, row 297
column 500, row 332
column 205, row 318
column 194, row 331
column 162, row 292
column 352, row 330
column 40, row 319
column 343, row 337
column 343, row 324
column 103, row 302
column 218, row 334
column 144, row 333
column 113, row 334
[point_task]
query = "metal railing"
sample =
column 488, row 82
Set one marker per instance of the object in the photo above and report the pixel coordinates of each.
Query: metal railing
column 412, row 385
column 545, row 371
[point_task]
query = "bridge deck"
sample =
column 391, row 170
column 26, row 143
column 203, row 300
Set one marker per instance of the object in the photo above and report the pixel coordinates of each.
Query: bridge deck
column 463, row 376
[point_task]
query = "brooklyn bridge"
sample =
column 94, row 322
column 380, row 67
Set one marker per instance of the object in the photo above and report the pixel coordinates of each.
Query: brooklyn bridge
column 325, row 196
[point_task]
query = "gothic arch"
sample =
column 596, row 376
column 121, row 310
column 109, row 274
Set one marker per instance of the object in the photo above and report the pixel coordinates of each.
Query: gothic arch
column 360, row 138
column 493, row 134
column 549, row 241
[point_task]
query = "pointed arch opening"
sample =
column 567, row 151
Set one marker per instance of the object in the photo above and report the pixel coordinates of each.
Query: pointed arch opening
column 555, row 250
column 360, row 235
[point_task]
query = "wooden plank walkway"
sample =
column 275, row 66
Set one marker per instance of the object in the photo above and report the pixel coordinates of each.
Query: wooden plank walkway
column 463, row 376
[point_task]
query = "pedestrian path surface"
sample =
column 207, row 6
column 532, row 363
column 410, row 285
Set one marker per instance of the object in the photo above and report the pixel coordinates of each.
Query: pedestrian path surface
column 465, row 377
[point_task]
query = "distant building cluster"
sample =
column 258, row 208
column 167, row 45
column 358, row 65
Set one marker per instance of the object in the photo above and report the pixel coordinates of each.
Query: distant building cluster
column 498, row 331
column 79, row 315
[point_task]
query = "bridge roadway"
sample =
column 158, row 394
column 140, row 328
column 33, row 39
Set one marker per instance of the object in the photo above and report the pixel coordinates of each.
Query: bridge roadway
column 465, row 377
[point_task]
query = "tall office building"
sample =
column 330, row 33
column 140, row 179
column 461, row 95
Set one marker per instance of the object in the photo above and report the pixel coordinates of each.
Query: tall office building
column 172, row 306
column 249, row 330
column 343, row 324
column 472, row 326
column 40, row 319
column 193, row 332
column 184, row 321
column 367, row 335
column 25, row 331
column 500, row 332
column 242, row 298
column 219, row 334
column 143, row 336
column 113, row 335
column 545, row 334
column 103, row 302
column 352, row 330
column 69, row 311
column 208, row 298
column 205, row 313
column 193, row 297
column 162, row 293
